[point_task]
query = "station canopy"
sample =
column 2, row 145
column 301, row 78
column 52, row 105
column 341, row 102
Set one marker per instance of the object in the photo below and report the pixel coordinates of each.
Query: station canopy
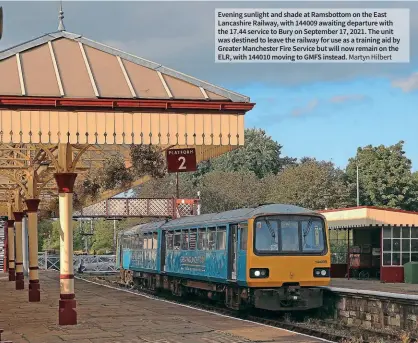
column 65, row 88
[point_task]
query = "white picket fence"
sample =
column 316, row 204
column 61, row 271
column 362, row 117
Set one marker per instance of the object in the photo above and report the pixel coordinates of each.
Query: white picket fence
column 85, row 263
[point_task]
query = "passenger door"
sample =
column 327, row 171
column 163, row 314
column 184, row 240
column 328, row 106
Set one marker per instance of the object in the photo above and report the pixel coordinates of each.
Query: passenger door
column 163, row 251
column 233, row 250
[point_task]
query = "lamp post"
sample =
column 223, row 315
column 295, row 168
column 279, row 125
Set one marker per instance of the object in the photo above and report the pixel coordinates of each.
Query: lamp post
column 358, row 188
column 1, row 22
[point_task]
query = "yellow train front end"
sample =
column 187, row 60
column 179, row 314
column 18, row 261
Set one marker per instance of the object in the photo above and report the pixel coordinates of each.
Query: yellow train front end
column 287, row 259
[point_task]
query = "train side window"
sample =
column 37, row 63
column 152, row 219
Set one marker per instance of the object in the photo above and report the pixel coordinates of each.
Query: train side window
column 147, row 242
column 177, row 240
column 185, row 240
column 221, row 238
column 192, row 239
column 202, row 240
column 244, row 235
column 154, row 240
column 169, row 241
column 212, row 238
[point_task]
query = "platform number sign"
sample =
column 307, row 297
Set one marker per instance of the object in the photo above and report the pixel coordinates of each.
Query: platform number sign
column 181, row 160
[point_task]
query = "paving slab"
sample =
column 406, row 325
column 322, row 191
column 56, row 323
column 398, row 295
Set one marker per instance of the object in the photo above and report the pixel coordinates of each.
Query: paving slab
column 375, row 285
column 112, row 316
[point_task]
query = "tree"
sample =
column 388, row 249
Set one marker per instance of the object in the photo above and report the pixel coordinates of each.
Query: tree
column 166, row 187
column 114, row 174
column 311, row 184
column 223, row 191
column 44, row 232
column 385, row 177
column 259, row 155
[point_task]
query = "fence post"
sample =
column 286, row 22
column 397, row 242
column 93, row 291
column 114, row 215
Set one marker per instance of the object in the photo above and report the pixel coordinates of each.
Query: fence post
column 46, row 260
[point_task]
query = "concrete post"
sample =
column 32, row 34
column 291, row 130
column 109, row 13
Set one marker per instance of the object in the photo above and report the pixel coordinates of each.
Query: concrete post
column 34, row 286
column 11, row 248
column 20, row 279
column 25, row 249
column 67, row 302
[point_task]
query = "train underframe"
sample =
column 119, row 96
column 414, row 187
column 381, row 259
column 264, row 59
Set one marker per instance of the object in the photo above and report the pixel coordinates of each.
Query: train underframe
column 289, row 297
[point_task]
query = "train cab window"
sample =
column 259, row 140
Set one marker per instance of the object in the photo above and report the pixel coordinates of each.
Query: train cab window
column 243, row 227
column 289, row 235
column 192, row 239
column 266, row 233
column 185, row 240
column 221, row 238
column 169, row 241
column 212, row 238
column 202, row 240
column 177, row 240
column 313, row 236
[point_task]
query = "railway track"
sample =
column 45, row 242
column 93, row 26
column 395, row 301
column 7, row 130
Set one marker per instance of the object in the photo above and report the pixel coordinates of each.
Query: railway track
column 326, row 330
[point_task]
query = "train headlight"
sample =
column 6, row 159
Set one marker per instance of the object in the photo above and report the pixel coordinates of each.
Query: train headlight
column 321, row 272
column 259, row 273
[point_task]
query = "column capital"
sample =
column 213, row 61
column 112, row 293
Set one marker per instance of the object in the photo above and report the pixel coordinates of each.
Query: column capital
column 32, row 205
column 10, row 222
column 18, row 216
column 65, row 182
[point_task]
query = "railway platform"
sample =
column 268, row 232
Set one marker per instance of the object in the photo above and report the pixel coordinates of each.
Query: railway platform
column 375, row 286
column 108, row 315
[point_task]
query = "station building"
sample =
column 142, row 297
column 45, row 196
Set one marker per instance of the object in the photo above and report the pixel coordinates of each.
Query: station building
column 376, row 241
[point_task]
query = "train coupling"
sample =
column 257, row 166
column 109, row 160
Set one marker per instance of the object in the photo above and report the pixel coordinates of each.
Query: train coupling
column 292, row 293
column 288, row 298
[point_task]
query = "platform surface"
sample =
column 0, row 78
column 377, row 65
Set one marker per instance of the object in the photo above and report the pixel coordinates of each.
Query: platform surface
column 112, row 316
column 375, row 285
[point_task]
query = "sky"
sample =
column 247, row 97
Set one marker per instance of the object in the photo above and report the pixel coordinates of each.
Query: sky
column 322, row 110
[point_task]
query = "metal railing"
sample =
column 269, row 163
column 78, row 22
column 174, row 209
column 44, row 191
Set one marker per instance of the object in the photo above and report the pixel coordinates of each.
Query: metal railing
column 82, row 263
column 139, row 207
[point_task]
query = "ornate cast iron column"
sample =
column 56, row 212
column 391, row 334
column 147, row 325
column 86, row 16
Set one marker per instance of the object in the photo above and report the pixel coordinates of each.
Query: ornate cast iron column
column 34, row 286
column 67, row 302
column 20, row 279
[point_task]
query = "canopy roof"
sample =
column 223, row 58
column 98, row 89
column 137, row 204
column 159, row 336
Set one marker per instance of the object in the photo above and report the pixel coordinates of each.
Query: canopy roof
column 68, row 65
column 64, row 89
column 365, row 216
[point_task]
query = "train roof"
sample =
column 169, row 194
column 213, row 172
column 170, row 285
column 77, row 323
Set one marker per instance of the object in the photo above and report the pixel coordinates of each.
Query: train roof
column 222, row 217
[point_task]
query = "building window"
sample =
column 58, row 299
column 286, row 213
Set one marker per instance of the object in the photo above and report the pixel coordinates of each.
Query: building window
column 339, row 241
column 400, row 245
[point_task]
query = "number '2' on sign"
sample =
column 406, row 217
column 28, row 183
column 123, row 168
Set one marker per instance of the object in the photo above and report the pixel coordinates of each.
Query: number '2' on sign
column 181, row 160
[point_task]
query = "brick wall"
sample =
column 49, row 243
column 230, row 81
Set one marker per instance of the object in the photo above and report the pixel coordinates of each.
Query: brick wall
column 372, row 312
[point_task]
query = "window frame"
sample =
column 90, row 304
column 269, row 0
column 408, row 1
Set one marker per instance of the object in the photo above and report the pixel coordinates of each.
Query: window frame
column 202, row 232
column 243, row 230
column 279, row 251
column 221, row 229
column 390, row 238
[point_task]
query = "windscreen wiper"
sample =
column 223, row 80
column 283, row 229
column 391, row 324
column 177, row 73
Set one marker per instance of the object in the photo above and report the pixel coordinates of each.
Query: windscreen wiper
column 308, row 228
column 270, row 229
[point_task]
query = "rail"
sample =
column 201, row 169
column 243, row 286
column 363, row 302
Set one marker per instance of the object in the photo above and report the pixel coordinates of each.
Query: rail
column 84, row 263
